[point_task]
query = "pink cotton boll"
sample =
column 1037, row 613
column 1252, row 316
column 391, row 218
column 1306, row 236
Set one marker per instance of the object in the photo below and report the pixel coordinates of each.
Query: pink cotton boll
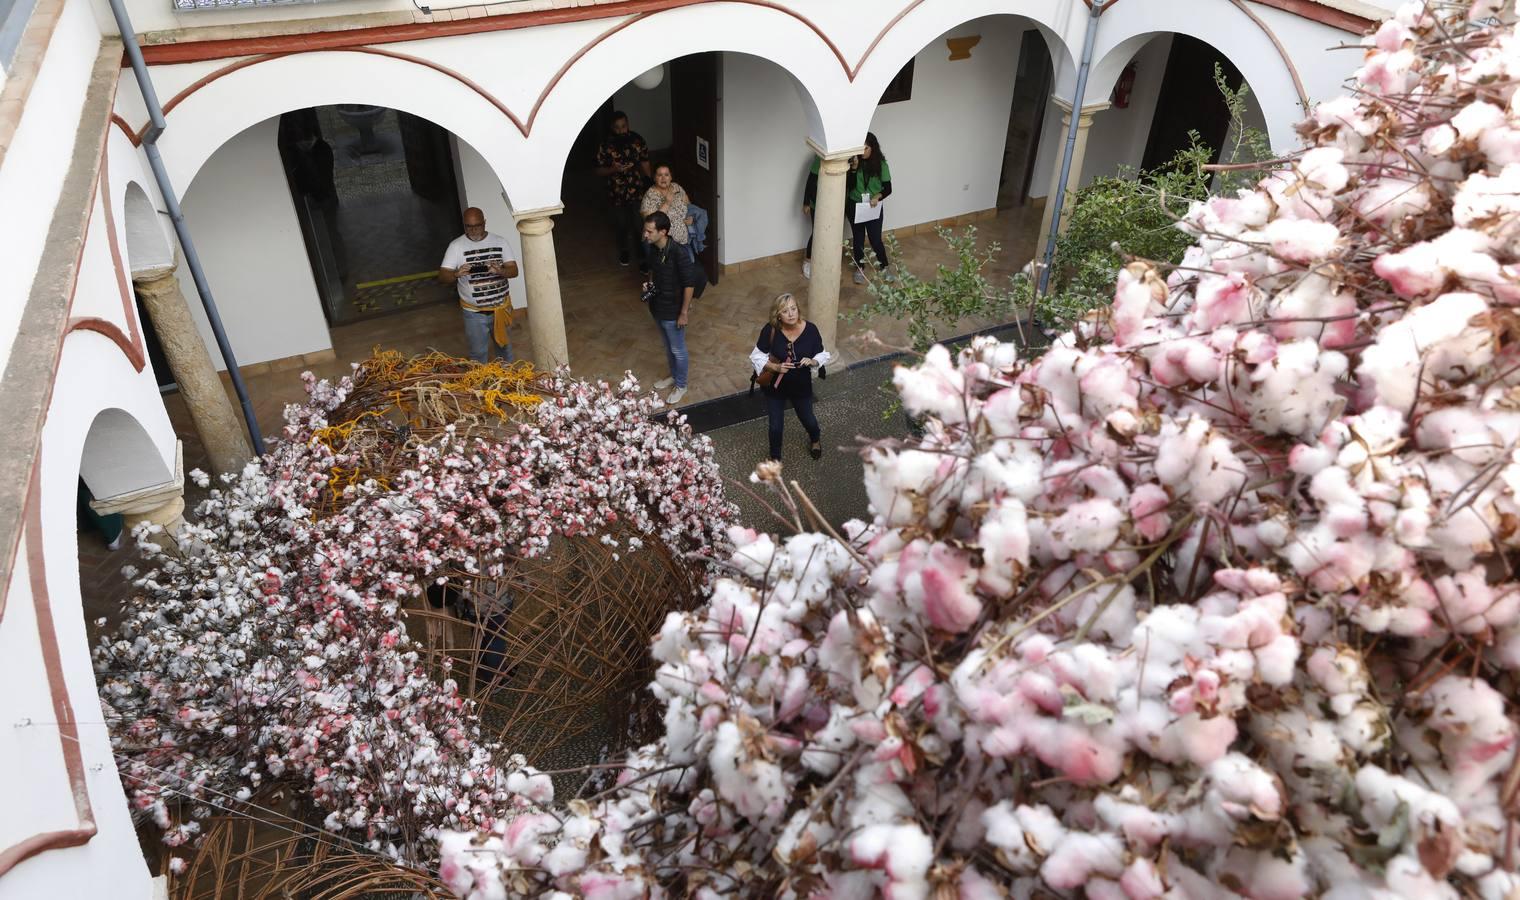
column 1147, row 508
column 1139, row 294
column 1388, row 73
column 1257, row 347
column 1302, row 241
column 947, row 604
column 1003, row 741
column 1081, row 855
column 1221, row 300
column 1464, row 598
column 1081, row 755
column 1142, row 880
column 1414, row 271
column 1042, row 690
column 973, row 885
column 1392, row 35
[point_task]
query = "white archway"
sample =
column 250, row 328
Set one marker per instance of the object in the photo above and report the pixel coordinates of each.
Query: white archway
column 147, row 245
column 1124, row 30
column 927, row 22
column 768, row 33
column 243, row 97
column 119, row 457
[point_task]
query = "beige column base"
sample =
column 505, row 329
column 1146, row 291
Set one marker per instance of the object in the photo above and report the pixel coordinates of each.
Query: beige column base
column 1084, row 125
column 216, row 421
column 546, row 313
column 828, row 239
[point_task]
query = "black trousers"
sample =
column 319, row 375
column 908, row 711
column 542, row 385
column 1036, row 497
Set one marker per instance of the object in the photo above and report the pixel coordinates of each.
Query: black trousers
column 775, row 408
column 627, row 227
column 859, row 231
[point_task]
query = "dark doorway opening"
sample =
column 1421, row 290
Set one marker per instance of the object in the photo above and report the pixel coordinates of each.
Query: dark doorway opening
column 377, row 199
column 1190, row 101
column 675, row 118
column 1031, row 91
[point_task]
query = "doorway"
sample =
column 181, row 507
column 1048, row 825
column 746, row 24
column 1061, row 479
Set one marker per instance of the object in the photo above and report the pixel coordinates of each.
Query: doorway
column 1026, row 119
column 1190, row 101
column 694, row 99
column 377, row 199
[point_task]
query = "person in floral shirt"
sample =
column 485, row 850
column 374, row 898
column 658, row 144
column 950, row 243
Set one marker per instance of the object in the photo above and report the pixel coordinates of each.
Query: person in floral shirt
column 623, row 158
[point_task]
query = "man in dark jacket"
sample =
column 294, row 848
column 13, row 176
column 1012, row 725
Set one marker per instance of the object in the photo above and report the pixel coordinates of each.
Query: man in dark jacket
column 673, row 275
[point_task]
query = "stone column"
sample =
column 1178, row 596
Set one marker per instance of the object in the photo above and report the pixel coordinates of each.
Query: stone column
column 546, row 315
column 159, row 504
column 1084, row 124
column 216, row 421
column 828, row 238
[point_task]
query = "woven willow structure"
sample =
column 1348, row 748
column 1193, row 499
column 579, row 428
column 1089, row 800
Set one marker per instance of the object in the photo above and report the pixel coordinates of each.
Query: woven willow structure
column 557, row 646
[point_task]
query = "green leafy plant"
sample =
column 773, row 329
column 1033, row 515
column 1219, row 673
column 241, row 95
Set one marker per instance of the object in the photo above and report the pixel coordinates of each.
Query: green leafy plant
column 955, row 292
column 1134, row 214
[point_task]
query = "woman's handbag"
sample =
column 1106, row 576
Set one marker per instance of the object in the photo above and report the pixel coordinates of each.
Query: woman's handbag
column 765, row 378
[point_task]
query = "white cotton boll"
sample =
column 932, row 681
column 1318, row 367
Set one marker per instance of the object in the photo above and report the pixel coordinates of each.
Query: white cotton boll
column 1437, row 334
column 1004, row 539
column 897, row 484
column 1090, row 526
column 825, row 752
column 1302, row 241
column 1460, row 429
column 1295, row 392
column 1024, row 834
column 933, row 388
column 1382, row 794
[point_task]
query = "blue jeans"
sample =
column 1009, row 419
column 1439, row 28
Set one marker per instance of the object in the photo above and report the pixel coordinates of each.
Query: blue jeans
column 697, row 230
column 775, row 408
column 477, row 333
column 675, row 349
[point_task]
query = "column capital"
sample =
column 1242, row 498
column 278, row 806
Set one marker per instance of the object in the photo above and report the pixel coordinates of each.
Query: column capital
column 144, row 277
column 537, row 221
column 147, row 499
column 830, row 156
column 1088, row 109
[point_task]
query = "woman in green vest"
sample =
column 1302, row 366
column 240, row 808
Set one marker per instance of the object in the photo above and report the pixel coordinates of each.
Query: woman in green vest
column 870, row 181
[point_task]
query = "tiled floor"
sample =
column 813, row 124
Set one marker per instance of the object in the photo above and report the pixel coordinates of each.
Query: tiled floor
column 609, row 330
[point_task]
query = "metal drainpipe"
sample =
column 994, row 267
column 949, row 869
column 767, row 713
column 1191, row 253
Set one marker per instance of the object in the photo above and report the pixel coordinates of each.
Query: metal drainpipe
column 1071, row 142
column 156, row 126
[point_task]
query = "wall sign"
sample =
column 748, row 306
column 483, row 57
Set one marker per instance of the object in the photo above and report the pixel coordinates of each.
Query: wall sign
column 702, row 158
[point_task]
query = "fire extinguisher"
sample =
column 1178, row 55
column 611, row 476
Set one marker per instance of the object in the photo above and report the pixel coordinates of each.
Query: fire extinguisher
column 1126, row 83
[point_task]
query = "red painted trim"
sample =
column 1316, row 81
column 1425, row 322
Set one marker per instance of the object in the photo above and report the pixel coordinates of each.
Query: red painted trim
column 136, row 351
column 1307, row 9
column 126, row 129
column 63, row 710
column 197, row 51
column 1325, row 15
column 298, row 44
column 113, row 331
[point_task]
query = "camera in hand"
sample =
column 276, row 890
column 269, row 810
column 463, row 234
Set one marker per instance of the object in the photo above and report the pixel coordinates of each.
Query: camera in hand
column 648, row 293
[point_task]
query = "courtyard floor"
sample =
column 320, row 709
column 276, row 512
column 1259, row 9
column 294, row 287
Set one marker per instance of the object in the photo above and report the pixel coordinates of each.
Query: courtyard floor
column 609, row 331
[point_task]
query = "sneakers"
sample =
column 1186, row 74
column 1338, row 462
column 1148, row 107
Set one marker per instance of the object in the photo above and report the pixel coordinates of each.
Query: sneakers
column 807, row 268
column 622, row 257
column 675, row 396
column 664, row 383
column 860, row 275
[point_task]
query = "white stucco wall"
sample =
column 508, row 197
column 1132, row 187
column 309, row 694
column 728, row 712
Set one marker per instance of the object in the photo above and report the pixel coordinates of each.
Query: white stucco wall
column 33, row 170
column 1118, row 136
column 648, row 111
column 92, row 375
column 944, row 146
column 244, row 223
column 480, row 188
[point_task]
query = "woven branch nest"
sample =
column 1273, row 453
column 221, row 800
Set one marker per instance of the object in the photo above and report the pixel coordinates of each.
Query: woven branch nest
column 557, row 647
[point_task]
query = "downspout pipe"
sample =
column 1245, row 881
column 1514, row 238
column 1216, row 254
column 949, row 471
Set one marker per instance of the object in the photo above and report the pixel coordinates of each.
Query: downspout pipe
column 156, row 126
column 1071, row 142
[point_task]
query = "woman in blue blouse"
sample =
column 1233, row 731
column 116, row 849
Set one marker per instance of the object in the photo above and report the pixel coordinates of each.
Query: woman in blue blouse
column 791, row 347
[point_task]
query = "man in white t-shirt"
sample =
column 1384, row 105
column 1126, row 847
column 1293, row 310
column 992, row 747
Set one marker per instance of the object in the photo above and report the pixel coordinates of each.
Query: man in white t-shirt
column 480, row 264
